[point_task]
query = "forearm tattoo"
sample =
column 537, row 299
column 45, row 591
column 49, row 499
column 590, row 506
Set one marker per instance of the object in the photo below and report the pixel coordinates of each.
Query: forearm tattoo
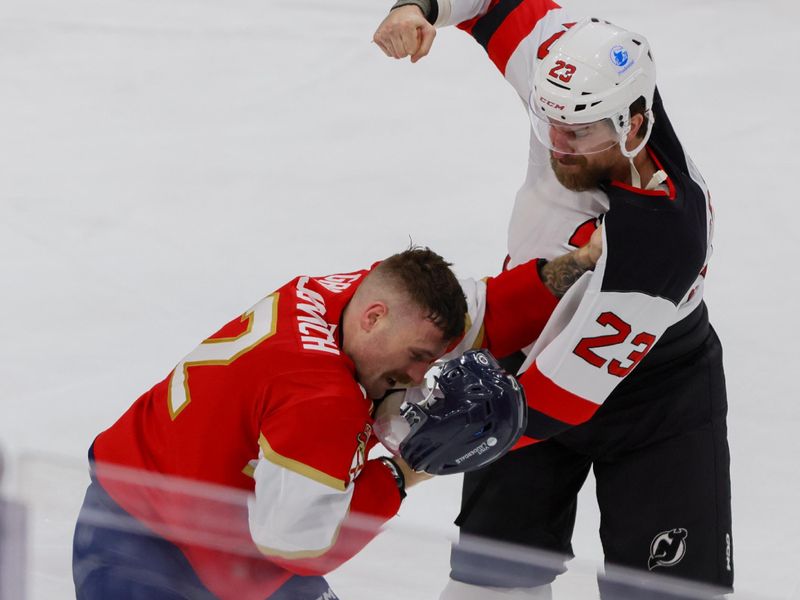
column 559, row 274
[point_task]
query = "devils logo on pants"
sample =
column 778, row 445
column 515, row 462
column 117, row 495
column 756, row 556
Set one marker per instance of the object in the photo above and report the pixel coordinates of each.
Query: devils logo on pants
column 667, row 548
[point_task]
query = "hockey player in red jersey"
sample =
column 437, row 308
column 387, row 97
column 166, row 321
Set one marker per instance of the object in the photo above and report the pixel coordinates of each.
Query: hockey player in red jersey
column 278, row 404
column 626, row 377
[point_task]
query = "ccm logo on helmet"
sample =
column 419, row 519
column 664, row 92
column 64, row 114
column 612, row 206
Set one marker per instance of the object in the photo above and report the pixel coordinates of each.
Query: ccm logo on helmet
column 551, row 104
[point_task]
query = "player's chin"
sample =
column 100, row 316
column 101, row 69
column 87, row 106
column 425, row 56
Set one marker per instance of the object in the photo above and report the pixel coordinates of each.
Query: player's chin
column 378, row 387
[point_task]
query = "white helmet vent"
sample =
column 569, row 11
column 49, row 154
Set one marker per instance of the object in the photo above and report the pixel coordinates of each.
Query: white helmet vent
column 558, row 85
column 595, row 70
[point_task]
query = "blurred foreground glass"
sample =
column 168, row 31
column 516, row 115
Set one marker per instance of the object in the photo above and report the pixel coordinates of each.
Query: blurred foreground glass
column 403, row 563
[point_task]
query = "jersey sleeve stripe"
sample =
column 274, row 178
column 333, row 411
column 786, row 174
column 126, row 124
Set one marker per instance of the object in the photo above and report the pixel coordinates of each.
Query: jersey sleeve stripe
column 486, row 26
column 293, row 465
column 479, row 338
column 554, row 401
column 523, row 441
column 505, row 25
column 298, row 554
column 469, row 24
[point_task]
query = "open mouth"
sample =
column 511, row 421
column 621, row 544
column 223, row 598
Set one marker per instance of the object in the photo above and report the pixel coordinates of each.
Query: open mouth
column 568, row 161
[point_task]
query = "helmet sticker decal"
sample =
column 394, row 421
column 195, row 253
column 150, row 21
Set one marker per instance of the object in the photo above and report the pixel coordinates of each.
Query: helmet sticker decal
column 619, row 56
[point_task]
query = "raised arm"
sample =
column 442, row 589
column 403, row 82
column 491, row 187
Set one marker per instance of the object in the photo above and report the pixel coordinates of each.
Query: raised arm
column 514, row 33
column 405, row 32
column 409, row 28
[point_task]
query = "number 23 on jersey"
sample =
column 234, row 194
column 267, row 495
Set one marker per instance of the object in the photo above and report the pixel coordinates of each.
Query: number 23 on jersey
column 622, row 331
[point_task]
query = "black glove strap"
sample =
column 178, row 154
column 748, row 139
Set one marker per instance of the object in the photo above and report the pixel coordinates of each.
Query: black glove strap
column 397, row 473
column 429, row 8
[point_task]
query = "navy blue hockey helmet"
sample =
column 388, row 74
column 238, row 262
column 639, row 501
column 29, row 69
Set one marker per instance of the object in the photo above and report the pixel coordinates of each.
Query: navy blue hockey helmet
column 476, row 413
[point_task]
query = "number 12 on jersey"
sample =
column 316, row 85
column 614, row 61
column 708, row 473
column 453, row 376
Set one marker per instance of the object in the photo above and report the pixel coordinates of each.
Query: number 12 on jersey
column 259, row 324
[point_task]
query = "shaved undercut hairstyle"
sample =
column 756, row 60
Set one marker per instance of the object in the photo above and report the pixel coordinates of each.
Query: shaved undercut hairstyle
column 427, row 279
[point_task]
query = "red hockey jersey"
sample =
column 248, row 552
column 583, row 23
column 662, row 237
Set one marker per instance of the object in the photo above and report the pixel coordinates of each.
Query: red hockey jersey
column 270, row 404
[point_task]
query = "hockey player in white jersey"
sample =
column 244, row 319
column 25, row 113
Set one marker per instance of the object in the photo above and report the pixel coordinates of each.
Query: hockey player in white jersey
column 626, row 377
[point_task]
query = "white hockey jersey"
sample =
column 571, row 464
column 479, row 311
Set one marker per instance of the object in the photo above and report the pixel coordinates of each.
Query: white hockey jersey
column 656, row 242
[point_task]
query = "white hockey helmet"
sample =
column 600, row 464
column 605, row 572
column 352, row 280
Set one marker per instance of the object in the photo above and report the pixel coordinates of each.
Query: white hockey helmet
column 592, row 74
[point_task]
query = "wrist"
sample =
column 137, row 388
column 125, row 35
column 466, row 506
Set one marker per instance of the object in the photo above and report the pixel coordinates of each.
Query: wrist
column 583, row 258
column 411, row 476
column 397, row 474
column 429, row 8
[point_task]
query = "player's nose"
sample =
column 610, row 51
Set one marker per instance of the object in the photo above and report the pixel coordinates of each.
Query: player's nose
column 416, row 373
column 559, row 142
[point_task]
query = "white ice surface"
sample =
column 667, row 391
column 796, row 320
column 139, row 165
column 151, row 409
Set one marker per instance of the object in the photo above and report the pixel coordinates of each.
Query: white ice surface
column 165, row 163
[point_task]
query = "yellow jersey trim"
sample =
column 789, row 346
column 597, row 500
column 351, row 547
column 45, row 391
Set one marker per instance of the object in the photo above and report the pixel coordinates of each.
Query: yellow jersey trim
column 294, row 465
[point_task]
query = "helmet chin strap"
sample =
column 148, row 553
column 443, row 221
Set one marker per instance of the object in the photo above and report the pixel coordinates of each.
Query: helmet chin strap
column 636, row 179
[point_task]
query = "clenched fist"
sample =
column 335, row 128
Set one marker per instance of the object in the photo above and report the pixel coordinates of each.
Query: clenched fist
column 405, row 32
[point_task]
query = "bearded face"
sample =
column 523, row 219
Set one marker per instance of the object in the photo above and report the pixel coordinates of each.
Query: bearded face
column 580, row 173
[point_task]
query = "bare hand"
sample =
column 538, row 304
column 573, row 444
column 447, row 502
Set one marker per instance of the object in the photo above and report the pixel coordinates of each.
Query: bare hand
column 591, row 252
column 405, row 32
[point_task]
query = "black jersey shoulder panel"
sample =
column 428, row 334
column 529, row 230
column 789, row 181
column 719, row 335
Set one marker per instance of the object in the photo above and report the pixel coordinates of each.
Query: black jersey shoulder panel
column 657, row 245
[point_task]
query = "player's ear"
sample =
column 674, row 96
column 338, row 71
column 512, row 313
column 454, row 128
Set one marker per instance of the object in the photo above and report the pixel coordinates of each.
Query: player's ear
column 373, row 314
column 637, row 120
